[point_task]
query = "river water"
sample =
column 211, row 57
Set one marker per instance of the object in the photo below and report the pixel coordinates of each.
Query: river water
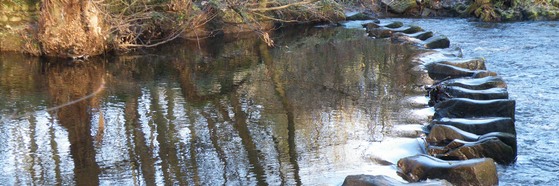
column 318, row 106
column 526, row 55
column 223, row 111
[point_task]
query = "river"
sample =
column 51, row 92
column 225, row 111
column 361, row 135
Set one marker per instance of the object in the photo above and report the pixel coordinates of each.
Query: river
column 526, row 55
column 317, row 107
column 223, row 111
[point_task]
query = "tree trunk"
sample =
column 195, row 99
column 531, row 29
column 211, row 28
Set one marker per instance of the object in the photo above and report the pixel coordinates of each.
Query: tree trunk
column 71, row 28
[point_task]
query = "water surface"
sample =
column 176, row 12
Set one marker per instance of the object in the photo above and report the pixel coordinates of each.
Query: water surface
column 526, row 55
column 221, row 111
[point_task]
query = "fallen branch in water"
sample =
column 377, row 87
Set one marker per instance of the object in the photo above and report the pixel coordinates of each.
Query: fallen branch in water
column 97, row 91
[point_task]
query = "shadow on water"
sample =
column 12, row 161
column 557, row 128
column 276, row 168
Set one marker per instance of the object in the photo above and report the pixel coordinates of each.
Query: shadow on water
column 217, row 112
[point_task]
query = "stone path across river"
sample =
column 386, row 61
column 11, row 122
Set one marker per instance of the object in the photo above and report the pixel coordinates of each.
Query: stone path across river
column 472, row 128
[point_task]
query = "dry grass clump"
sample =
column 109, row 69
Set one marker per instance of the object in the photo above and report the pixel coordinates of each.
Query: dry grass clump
column 144, row 23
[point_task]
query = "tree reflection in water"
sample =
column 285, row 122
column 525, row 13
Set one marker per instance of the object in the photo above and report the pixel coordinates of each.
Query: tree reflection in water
column 229, row 112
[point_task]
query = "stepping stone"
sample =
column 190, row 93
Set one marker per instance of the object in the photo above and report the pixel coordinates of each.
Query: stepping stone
column 440, row 71
column 443, row 135
column 479, row 126
column 476, row 83
column 382, row 180
column 469, row 108
column 438, row 41
column 480, row 171
column 471, row 64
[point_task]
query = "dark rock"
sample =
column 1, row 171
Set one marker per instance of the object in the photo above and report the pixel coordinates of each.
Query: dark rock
column 379, row 32
column 409, row 30
column 437, row 94
column 443, row 135
column 369, row 26
column 438, row 41
column 381, row 180
column 399, row 37
column 469, row 108
column 471, row 64
column 490, row 147
column 481, row 171
column 479, row 126
column 422, row 35
column 476, row 83
column 395, row 24
column 487, row 94
column 440, row 71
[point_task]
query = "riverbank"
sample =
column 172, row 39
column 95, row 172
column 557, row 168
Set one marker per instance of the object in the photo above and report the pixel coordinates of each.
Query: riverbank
column 119, row 27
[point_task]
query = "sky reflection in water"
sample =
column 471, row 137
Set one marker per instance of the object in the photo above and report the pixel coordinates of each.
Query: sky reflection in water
column 224, row 112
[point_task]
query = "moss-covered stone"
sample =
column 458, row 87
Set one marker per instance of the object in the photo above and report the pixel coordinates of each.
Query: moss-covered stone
column 400, row 6
column 359, row 16
column 531, row 13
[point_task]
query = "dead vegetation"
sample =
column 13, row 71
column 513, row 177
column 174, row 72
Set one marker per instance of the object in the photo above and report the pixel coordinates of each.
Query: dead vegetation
column 144, row 23
column 77, row 29
column 71, row 28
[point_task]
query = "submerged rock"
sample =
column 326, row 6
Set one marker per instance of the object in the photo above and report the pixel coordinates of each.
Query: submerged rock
column 480, row 171
column 381, row 180
column 469, row 108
